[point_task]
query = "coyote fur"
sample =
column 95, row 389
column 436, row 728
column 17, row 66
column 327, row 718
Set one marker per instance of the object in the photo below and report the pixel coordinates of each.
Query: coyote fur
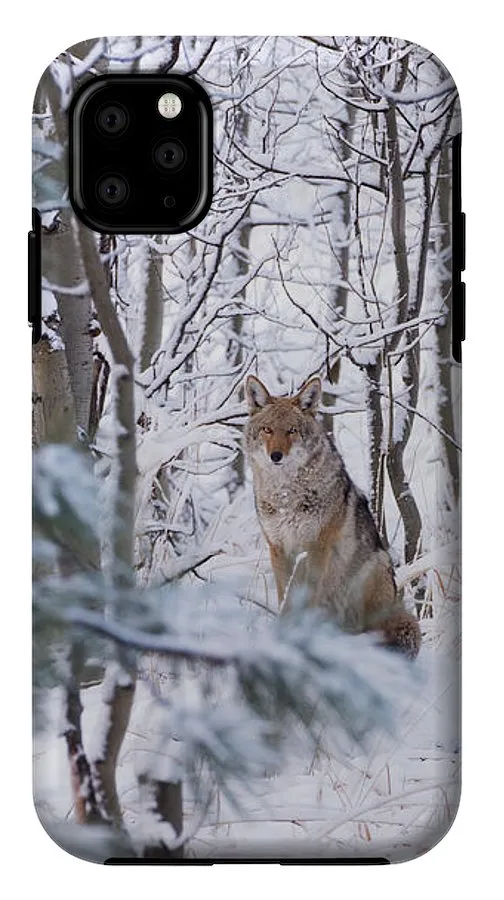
column 322, row 538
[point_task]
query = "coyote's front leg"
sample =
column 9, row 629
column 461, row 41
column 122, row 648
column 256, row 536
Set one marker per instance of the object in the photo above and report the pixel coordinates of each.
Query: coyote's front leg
column 306, row 573
column 281, row 571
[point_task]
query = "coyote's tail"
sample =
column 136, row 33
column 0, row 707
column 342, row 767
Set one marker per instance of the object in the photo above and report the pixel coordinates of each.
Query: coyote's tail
column 401, row 630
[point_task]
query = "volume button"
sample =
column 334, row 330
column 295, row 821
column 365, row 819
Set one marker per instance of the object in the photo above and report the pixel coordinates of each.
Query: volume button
column 462, row 311
column 34, row 278
column 462, row 240
column 32, row 281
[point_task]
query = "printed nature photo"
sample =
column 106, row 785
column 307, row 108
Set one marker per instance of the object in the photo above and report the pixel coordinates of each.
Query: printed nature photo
column 246, row 470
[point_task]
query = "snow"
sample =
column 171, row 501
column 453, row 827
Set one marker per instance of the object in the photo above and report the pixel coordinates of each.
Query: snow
column 395, row 797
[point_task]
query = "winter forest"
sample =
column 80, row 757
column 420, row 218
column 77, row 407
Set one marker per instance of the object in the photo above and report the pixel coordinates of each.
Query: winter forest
column 177, row 714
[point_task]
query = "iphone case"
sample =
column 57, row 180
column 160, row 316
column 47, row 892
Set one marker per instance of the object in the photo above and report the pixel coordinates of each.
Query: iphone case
column 243, row 437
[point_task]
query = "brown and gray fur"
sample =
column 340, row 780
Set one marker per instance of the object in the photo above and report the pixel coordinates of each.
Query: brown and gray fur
column 321, row 535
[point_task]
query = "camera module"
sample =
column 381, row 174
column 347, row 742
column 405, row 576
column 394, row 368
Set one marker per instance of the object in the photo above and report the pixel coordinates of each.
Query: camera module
column 140, row 153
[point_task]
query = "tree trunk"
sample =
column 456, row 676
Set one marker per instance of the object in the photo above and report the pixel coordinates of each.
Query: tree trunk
column 240, row 263
column 444, row 333
column 153, row 308
column 340, row 238
column 53, row 410
column 406, row 503
column 120, row 677
column 61, row 265
column 377, row 453
column 168, row 806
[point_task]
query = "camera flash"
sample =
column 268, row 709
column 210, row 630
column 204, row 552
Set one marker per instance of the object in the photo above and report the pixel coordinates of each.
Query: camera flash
column 169, row 105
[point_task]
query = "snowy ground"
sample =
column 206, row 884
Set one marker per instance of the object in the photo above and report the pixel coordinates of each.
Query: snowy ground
column 395, row 800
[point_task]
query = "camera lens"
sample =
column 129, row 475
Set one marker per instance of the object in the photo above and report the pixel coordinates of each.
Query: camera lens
column 112, row 119
column 169, row 155
column 112, row 190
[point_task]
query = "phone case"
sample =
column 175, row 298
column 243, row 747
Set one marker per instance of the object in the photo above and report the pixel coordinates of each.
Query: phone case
column 246, row 469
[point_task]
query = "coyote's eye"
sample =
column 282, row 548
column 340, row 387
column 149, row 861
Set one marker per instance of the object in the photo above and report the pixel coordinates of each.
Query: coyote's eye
column 292, row 431
column 267, row 430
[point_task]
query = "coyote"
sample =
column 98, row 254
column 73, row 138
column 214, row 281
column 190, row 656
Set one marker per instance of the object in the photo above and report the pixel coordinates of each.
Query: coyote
column 321, row 535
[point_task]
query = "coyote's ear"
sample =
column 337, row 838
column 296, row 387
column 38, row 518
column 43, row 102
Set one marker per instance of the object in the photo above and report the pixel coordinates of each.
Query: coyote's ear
column 309, row 396
column 256, row 394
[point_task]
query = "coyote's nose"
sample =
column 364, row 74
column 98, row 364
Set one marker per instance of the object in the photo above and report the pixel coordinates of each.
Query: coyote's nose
column 276, row 456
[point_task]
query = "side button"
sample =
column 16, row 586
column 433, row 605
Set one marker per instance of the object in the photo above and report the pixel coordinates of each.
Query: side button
column 35, row 277
column 458, row 320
